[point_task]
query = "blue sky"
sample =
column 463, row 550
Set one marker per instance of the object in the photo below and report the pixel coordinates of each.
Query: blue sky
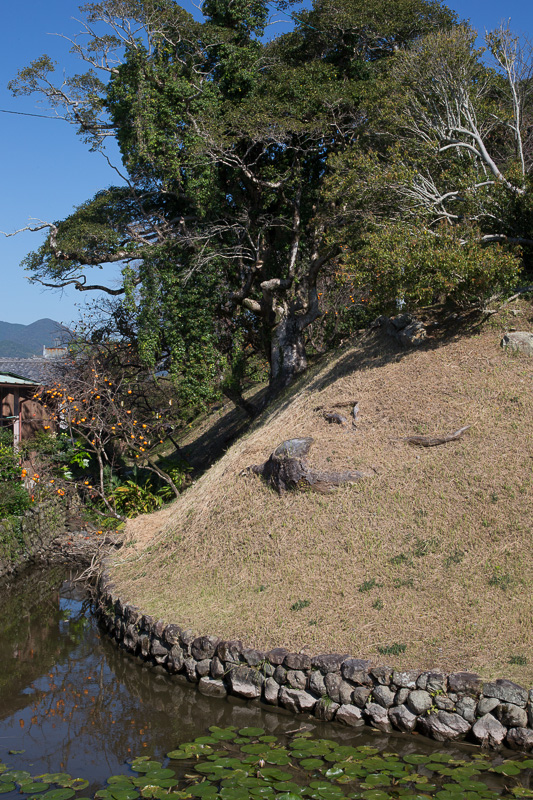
column 46, row 170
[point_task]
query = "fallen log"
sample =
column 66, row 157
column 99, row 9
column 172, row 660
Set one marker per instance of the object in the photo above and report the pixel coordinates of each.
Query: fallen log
column 433, row 441
column 287, row 470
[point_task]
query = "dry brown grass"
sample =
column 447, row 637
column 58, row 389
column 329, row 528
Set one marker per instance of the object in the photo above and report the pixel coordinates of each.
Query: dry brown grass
column 434, row 551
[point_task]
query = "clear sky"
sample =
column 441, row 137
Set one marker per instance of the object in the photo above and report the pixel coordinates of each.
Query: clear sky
column 46, row 170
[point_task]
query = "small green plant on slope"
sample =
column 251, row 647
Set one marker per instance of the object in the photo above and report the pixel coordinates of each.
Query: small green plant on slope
column 392, row 649
column 300, row 604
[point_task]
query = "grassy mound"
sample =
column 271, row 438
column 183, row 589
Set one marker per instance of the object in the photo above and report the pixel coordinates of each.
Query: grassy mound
column 426, row 563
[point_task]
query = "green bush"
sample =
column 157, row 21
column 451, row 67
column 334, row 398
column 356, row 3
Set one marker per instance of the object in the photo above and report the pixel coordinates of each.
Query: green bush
column 14, row 498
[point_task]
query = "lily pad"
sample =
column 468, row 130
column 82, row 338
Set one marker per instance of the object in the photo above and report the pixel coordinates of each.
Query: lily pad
column 17, row 775
column 146, row 766
column 58, row 794
column 203, row 790
column 311, row 763
column 34, row 787
column 118, row 793
column 507, row 768
column 229, row 793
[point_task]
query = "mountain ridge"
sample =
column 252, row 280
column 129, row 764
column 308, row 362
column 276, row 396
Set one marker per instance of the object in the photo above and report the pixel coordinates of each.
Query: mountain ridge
column 25, row 341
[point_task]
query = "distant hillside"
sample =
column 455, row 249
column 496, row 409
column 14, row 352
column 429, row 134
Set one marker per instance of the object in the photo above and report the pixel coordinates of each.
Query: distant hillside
column 25, row 341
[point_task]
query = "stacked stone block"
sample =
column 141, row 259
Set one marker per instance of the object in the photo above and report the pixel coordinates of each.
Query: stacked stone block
column 332, row 687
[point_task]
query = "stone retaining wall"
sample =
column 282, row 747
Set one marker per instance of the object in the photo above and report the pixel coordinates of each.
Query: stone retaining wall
column 330, row 687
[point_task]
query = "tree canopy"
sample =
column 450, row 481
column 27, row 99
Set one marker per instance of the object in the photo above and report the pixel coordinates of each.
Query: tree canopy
column 437, row 199
column 254, row 168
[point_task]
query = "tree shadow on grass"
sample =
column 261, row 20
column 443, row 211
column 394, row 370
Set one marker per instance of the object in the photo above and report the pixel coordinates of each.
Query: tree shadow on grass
column 214, row 439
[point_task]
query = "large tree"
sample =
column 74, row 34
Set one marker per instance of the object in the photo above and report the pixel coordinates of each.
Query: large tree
column 438, row 200
column 225, row 142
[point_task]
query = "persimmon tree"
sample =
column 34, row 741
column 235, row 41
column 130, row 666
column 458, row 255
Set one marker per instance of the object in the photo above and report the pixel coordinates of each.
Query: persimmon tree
column 225, row 141
column 118, row 416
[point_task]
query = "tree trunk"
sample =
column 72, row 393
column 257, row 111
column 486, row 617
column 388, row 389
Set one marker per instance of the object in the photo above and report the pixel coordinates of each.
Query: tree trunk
column 238, row 400
column 287, row 352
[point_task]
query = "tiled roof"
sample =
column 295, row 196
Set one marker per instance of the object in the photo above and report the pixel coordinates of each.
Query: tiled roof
column 41, row 370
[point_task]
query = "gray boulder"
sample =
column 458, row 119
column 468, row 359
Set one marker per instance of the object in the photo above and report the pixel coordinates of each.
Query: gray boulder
column 271, row 691
column 253, row 657
column 345, row 693
column 444, row 703
column 520, row 739
column 487, row 705
column 443, row 726
column 316, row 683
column 297, row 661
column 333, row 681
column 230, row 651
column 330, row 662
column 507, row 692
column 204, row 647
column 356, row 670
column 381, row 675
column 175, row 659
column 383, row 696
column 402, row 718
column 245, row 682
column 405, row 680
column 466, row 707
column 325, row 709
column 465, row 683
column 401, row 696
column 378, row 717
column 518, row 342
column 512, row 716
column 350, row 715
column 296, row 700
column 217, row 668
column 203, row 667
column 489, row 732
column 432, row 682
column 419, row 702
column 296, row 679
column 360, row 696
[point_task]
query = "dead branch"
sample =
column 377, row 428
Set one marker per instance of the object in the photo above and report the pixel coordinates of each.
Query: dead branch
column 433, row 441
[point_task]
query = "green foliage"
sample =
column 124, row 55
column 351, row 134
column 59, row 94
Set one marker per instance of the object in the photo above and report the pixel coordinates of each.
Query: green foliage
column 143, row 493
column 132, row 498
column 226, row 140
column 14, row 499
column 395, row 263
column 438, row 205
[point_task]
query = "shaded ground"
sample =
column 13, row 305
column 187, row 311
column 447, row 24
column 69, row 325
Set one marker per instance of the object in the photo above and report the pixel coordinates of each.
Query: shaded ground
column 431, row 556
column 210, row 437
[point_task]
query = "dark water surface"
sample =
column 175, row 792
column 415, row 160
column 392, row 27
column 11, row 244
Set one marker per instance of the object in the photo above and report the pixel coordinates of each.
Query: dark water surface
column 75, row 703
